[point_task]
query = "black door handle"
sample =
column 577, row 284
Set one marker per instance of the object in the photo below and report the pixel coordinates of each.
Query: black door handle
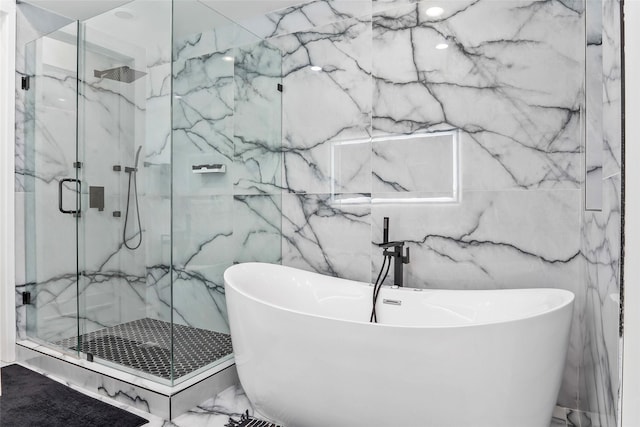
column 60, row 184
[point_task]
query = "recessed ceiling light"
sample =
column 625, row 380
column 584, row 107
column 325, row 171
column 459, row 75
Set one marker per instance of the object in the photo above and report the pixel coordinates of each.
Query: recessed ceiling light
column 435, row 11
column 442, row 46
column 61, row 99
column 124, row 14
column 316, row 68
column 228, row 58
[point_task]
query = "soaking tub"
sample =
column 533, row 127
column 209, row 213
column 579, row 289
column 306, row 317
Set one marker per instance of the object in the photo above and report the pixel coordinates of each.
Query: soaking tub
column 307, row 356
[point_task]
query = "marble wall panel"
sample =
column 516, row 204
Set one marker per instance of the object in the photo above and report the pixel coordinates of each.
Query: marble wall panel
column 227, row 110
column 202, row 123
column 202, row 230
column 490, row 240
column 158, row 105
column 601, row 247
column 612, row 88
column 327, row 236
column 519, row 78
column 198, row 297
column 601, row 238
column 257, row 120
column 326, row 106
column 310, row 14
column 223, row 36
column 202, row 235
column 257, row 226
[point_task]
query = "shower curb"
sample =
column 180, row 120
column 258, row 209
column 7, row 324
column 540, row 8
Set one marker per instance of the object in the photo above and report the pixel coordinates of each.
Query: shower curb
column 162, row 401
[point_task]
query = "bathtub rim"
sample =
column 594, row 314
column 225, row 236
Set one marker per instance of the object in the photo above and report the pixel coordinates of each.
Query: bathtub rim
column 568, row 300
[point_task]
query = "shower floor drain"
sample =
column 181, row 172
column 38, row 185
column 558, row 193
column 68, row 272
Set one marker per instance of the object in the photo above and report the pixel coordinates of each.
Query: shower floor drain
column 248, row 421
column 145, row 345
column 149, row 344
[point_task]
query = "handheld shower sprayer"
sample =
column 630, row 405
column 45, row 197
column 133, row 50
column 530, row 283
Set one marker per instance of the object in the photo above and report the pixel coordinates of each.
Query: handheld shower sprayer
column 385, row 230
column 132, row 171
column 137, row 157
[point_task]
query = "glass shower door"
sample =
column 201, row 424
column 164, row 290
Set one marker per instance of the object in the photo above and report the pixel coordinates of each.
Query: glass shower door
column 123, row 237
column 51, row 188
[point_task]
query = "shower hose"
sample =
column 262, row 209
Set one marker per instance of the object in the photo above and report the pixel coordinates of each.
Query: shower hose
column 132, row 176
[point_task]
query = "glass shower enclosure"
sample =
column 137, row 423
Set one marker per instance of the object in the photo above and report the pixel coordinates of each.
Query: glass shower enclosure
column 152, row 136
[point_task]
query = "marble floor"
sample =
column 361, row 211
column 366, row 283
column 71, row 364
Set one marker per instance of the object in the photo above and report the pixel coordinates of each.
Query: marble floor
column 232, row 402
column 215, row 412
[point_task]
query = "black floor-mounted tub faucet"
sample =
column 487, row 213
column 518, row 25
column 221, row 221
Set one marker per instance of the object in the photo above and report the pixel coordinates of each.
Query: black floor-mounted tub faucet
column 399, row 258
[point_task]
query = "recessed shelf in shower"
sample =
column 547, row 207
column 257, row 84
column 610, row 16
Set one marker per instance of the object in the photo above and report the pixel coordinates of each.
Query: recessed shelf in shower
column 212, row 168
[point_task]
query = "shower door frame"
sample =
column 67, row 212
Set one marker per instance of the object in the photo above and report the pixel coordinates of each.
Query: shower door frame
column 7, row 181
column 33, row 56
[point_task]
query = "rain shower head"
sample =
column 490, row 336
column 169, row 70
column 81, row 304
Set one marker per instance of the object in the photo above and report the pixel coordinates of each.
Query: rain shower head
column 124, row 74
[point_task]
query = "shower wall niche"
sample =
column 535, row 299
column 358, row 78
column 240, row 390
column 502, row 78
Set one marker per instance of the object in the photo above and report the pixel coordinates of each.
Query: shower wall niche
column 146, row 168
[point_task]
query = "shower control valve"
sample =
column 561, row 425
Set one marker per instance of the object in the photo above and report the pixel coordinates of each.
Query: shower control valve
column 394, row 250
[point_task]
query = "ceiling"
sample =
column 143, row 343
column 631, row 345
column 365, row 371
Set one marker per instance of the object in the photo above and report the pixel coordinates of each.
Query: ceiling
column 233, row 9
column 151, row 23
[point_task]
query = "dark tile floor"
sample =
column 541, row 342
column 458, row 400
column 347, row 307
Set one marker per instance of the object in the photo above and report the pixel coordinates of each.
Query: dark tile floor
column 145, row 345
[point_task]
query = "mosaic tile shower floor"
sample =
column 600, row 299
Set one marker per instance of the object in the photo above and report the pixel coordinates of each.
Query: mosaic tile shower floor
column 145, row 345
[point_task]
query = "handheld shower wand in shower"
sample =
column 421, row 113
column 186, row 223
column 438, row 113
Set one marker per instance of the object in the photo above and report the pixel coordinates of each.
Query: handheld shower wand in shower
column 132, row 176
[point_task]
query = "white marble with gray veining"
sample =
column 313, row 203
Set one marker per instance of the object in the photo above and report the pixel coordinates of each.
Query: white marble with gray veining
column 511, row 89
column 325, row 235
column 307, row 15
column 509, row 85
column 257, row 133
column 601, row 239
column 612, row 88
column 326, row 108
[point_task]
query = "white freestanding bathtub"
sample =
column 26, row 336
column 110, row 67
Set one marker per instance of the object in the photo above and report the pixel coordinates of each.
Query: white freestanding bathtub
column 307, row 356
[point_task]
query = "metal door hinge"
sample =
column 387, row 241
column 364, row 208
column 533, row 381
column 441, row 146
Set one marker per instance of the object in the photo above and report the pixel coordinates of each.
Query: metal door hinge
column 26, row 298
column 25, row 83
column 280, row 87
column 77, row 165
